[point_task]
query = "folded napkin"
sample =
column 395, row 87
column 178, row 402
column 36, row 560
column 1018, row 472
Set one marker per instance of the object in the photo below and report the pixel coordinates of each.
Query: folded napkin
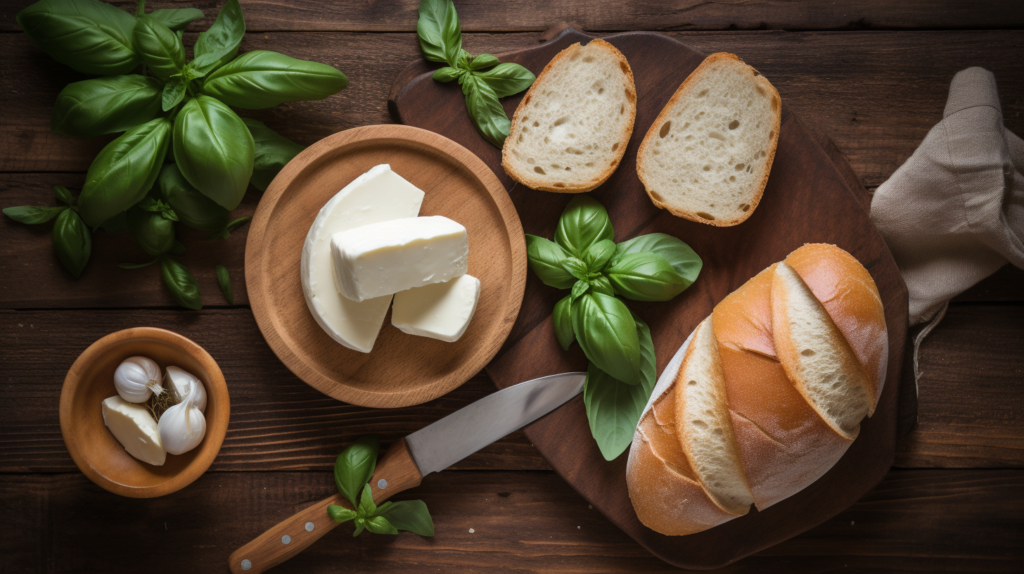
column 954, row 212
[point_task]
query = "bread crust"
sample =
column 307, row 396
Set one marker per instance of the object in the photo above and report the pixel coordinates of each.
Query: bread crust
column 684, row 90
column 527, row 178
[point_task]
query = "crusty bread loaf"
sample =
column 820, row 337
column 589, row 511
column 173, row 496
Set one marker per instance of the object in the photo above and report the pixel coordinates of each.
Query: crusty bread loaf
column 571, row 129
column 707, row 156
column 783, row 440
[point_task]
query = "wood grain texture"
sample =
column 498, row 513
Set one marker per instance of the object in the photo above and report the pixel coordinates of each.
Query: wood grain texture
column 537, row 15
column 402, row 369
column 90, row 380
column 915, row 521
column 805, row 191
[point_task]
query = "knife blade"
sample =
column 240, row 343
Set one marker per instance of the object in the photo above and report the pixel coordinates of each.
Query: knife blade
column 430, row 449
column 469, row 429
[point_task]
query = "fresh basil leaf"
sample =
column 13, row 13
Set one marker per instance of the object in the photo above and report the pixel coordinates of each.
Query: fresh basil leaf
column 614, row 408
column 583, row 223
column 439, row 32
column 116, row 224
column 174, row 91
column 152, row 232
column 63, row 195
column 91, row 37
column 354, row 467
column 99, row 106
column 176, row 18
column 360, row 525
column 506, row 79
column 607, row 334
column 601, row 285
column 182, row 284
column 124, row 171
column 678, row 254
column 546, row 259
column 218, row 45
column 273, row 152
column 31, row 215
column 380, row 525
column 214, row 150
column 158, row 47
column 137, row 265
column 598, row 254
column 447, row 74
column 224, row 280
column 576, row 268
column 410, row 516
column 263, row 79
column 340, row 513
column 366, row 505
column 485, row 110
column 192, row 207
column 578, row 290
column 224, row 233
column 561, row 318
column 482, row 62
column 645, row 277
column 72, row 241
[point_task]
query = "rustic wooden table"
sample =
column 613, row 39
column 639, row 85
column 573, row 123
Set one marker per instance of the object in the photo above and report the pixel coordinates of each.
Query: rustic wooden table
column 873, row 75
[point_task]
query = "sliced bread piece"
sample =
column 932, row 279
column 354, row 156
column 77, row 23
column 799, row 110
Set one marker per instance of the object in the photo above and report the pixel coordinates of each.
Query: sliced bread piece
column 704, row 424
column 571, row 129
column 816, row 355
column 707, row 156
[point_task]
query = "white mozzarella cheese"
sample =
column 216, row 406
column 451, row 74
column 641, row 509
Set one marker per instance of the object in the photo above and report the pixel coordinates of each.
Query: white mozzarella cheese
column 439, row 311
column 384, row 258
column 378, row 195
column 135, row 428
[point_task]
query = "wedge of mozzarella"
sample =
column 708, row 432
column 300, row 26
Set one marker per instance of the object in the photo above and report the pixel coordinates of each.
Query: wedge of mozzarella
column 135, row 428
column 376, row 196
column 440, row 311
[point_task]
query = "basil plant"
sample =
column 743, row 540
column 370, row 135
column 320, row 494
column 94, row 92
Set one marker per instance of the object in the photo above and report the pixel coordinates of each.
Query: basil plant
column 183, row 155
column 584, row 258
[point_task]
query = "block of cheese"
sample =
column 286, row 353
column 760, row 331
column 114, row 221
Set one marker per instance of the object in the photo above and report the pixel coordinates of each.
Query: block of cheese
column 439, row 311
column 392, row 256
column 135, row 428
column 378, row 195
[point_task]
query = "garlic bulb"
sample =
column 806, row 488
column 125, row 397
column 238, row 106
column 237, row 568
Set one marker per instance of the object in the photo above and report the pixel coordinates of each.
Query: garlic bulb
column 137, row 378
column 178, row 383
column 182, row 427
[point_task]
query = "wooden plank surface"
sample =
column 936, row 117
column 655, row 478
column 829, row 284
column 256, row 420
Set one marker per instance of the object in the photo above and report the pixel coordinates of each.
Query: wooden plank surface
column 604, row 15
column 915, row 521
column 971, row 403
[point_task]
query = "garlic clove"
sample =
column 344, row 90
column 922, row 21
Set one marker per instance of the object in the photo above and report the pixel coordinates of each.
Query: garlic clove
column 178, row 382
column 137, row 378
column 183, row 426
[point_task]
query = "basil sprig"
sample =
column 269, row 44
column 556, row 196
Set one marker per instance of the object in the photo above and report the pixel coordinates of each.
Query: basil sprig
column 584, row 258
column 185, row 155
column 483, row 79
column 352, row 471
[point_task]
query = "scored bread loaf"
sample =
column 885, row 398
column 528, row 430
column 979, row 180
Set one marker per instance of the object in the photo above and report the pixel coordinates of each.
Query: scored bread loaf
column 707, row 155
column 794, row 357
column 571, row 129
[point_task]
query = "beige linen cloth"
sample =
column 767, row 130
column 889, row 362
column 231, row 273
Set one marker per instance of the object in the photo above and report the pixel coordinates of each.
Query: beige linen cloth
column 954, row 212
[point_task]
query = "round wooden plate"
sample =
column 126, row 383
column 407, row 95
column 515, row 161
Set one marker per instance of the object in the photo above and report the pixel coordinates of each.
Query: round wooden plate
column 402, row 369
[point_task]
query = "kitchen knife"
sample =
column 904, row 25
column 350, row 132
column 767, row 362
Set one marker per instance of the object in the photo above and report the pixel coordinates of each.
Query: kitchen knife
column 430, row 449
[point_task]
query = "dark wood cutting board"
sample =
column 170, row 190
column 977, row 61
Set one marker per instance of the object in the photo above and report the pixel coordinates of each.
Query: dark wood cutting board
column 812, row 196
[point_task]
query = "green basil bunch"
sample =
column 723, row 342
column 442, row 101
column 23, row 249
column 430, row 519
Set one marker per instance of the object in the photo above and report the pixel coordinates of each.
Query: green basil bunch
column 584, row 258
column 72, row 240
column 184, row 155
column 483, row 78
column 352, row 472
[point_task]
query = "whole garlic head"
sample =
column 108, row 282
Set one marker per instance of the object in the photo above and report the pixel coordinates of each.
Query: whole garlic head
column 183, row 426
column 137, row 378
column 179, row 381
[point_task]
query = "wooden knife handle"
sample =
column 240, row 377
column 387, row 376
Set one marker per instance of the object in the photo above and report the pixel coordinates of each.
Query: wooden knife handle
column 395, row 472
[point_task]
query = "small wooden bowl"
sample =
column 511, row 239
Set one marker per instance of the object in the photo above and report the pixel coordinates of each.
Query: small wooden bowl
column 95, row 450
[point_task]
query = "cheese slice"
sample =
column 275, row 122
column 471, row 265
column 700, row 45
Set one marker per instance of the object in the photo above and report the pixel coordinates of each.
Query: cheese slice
column 378, row 195
column 135, row 428
column 385, row 258
column 439, row 311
